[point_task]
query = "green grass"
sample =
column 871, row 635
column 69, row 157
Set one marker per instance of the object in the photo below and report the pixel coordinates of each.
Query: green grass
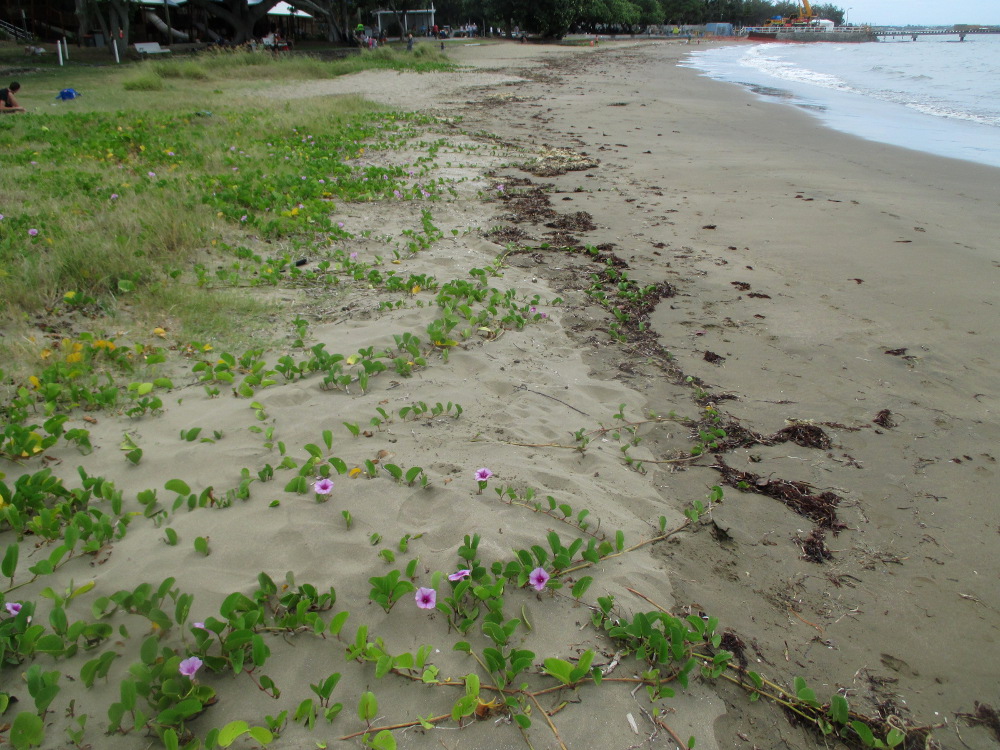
column 137, row 199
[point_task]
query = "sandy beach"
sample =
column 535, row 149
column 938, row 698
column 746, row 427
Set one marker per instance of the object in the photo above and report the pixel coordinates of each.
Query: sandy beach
column 829, row 303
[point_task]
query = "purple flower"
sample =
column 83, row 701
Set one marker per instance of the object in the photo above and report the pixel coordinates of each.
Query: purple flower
column 32, row 232
column 34, row 163
column 171, row 153
column 339, row 224
column 114, row 196
column 426, row 598
column 534, row 309
column 323, row 486
column 190, row 666
column 243, row 217
column 198, row 626
column 499, row 188
column 538, row 578
column 1, row 218
column 354, row 256
column 151, row 174
column 397, row 193
column 13, row 608
column 483, row 474
column 460, row 575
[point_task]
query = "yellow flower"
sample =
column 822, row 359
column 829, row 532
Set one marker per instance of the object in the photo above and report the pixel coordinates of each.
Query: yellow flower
column 160, row 332
column 415, row 289
column 46, row 353
column 74, row 358
column 69, row 295
column 35, row 382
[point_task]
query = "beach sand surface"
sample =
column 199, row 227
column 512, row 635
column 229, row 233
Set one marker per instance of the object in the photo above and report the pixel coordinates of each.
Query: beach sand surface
column 807, row 279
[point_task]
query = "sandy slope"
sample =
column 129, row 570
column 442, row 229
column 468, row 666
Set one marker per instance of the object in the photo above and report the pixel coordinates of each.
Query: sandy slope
column 859, row 249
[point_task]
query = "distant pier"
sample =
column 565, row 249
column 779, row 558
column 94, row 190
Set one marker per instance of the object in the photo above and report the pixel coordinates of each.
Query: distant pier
column 888, row 32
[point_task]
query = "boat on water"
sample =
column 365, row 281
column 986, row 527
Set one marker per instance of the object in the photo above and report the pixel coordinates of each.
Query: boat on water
column 810, row 33
column 807, row 27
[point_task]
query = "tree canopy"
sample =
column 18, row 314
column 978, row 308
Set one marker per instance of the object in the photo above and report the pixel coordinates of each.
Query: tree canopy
column 545, row 18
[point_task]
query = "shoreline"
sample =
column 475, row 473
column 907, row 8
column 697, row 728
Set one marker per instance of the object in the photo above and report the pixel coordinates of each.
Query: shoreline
column 860, row 250
column 869, row 116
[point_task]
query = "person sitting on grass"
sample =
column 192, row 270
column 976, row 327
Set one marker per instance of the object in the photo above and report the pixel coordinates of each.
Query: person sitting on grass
column 8, row 104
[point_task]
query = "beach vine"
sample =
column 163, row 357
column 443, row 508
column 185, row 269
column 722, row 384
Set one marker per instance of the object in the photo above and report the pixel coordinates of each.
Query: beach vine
column 168, row 660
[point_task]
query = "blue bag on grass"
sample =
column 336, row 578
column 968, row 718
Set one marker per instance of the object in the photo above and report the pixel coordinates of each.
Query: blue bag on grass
column 68, row 94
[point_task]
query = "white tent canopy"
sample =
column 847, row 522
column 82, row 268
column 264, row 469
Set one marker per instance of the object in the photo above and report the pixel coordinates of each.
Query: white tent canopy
column 284, row 9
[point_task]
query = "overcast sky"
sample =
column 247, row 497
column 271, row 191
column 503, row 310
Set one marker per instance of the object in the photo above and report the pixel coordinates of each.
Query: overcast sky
column 929, row 12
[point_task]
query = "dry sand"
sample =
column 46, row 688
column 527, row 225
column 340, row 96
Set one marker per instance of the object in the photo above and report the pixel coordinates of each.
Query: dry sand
column 798, row 256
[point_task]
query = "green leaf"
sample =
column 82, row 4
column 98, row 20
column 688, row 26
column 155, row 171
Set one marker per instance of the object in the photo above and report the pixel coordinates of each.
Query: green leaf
column 367, row 707
column 177, row 485
column 581, row 586
column 9, row 564
column 201, row 545
column 262, row 735
column 864, row 732
column 384, row 740
column 229, row 733
column 559, row 669
column 27, row 731
column 838, row 709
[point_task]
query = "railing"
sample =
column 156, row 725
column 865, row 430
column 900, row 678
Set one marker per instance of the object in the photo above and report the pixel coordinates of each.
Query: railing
column 14, row 31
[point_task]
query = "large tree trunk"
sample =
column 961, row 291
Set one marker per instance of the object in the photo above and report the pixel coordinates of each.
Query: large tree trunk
column 333, row 13
column 238, row 15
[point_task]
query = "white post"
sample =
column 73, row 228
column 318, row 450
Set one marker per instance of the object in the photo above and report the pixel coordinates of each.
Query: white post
column 59, row 50
column 114, row 46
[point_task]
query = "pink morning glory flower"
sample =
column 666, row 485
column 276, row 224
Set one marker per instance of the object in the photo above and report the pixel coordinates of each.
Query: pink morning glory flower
column 32, row 232
column 538, row 578
column 114, row 196
column 426, row 598
column 499, row 188
column 190, row 666
column 151, row 174
column 243, row 217
column 354, row 256
column 340, row 224
column 198, row 626
column 1, row 217
column 483, row 474
column 323, row 486
column 460, row 575
column 13, row 608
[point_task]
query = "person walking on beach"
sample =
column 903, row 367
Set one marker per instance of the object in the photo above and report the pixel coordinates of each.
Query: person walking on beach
column 8, row 104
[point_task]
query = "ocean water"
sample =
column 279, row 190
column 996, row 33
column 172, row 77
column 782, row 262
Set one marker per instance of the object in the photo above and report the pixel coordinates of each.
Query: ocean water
column 936, row 95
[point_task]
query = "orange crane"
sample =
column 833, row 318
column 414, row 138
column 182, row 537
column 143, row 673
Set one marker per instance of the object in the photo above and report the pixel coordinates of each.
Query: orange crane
column 804, row 18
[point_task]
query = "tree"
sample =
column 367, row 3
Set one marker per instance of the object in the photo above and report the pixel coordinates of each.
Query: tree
column 239, row 15
column 109, row 16
column 551, row 18
column 829, row 11
column 334, row 15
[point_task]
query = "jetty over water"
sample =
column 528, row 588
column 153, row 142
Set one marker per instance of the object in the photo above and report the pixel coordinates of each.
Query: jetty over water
column 887, row 32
